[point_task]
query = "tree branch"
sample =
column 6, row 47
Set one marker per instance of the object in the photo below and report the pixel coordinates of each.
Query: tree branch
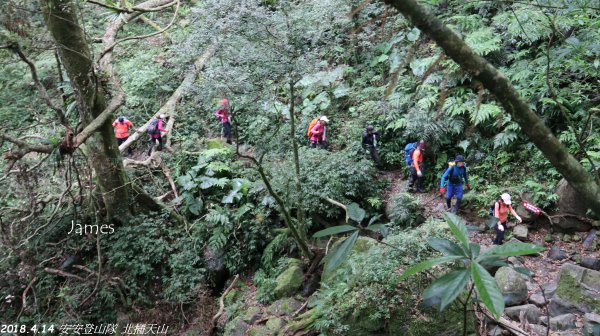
column 140, row 8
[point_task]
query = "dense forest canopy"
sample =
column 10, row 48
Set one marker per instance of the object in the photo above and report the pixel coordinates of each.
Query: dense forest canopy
column 212, row 213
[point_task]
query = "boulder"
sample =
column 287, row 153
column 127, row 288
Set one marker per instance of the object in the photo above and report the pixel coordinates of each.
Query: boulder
column 563, row 322
column 591, row 324
column 530, row 312
column 289, row 281
column 570, row 202
column 261, row 331
column 275, row 324
column 576, row 291
column 286, row 306
column 589, row 240
column 567, row 238
column 251, row 315
column 520, row 232
column 236, row 327
column 526, row 215
column 550, row 288
column 591, row 263
column 512, row 285
column 557, row 254
column 537, row 330
column 537, row 299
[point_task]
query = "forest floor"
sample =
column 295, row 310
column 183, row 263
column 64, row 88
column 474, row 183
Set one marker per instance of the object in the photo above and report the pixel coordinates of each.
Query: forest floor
column 543, row 269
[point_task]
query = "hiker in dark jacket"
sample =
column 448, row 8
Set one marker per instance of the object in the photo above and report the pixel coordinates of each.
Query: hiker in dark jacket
column 455, row 175
column 369, row 143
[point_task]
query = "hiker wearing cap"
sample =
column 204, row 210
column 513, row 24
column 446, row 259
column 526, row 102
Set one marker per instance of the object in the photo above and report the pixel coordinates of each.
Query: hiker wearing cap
column 501, row 208
column 417, row 169
column 318, row 133
column 155, row 131
column 454, row 176
column 369, row 143
column 122, row 126
column 223, row 115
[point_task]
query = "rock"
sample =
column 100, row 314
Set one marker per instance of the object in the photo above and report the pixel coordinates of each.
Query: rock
column 563, row 322
column 576, row 237
column 525, row 215
column 566, row 238
column 275, row 324
column 557, row 254
column 538, row 330
column 591, row 324
column 537, row 299
column 495, row 331
column 289, row 281
column 548, row 238
column 591, row 263
column 530, row 312
column 237, row 327
column 570, row 202
column 286, row 306
column 520, row 232
column 515, row 261
column 251, row 315
column 550, row 288
column 577, row 291
column 260, row 331
column 589, row 239
column 512, row 285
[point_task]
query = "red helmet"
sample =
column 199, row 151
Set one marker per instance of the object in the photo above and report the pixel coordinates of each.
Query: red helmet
column 224, row 102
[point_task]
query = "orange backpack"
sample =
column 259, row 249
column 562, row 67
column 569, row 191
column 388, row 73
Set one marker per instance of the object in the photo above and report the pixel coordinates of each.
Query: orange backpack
column 310, row 127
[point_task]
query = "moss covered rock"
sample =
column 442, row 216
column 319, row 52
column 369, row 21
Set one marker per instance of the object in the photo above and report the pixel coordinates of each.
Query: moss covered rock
column 289, row 281
column 285, row 306
column 512, row 285
column 215, row 144
column 576, row 291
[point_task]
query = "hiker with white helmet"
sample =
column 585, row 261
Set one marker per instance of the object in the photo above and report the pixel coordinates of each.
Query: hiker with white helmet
column 318, row 133
column 501, row 208
column 155, row 132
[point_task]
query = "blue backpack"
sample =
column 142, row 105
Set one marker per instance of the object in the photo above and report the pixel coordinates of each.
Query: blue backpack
column 408, row 152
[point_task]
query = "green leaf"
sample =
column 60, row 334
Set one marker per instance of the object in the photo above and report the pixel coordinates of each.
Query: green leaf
column 376, row 227
column 334, row 230
column 195, row 205
column 355, row 212
column 446, row 246
column 458, row 228
column 488, row 289
column 374, row 219
column 513, row 249
column 427, row 264
column 491, row 262
column 449, row 286
column 339, row 255
column 523, row 270
column 186, row 182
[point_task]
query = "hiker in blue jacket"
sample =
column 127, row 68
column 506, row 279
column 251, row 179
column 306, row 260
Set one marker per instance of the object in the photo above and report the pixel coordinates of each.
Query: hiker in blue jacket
column 455, row 175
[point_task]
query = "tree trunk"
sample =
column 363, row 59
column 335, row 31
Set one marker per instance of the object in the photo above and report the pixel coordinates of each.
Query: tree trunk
column 509, row 98
column 63, row 23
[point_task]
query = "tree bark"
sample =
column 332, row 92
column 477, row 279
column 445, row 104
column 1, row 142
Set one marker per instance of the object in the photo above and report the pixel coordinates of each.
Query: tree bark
column 62, row 20
column 580, row 179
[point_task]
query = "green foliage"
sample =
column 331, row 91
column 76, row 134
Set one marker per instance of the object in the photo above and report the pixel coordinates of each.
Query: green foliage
column 404, row 211
column 336, row 175
column 445, row 289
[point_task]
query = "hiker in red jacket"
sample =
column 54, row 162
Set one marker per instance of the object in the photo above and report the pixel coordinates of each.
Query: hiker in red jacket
column 155, row 132
column 223, row 115
column 122, row 126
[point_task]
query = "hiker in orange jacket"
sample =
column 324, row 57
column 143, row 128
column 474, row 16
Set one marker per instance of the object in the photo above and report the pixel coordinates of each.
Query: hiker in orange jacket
column 122, row 126
column 417, row 170
column 501, row 209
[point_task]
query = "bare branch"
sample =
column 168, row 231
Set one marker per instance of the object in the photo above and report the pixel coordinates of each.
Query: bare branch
column 43, row 93
column 134, row 9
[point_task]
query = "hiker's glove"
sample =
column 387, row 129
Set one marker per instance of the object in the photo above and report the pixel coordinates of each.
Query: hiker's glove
column 419, row 174
column 162, row 134
column 468, row 186
column 500, row 227
column 519, row 219
column 442, row 190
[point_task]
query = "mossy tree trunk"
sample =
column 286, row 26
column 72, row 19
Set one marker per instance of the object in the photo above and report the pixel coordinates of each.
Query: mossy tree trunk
column 493, row 80
column 62, row 20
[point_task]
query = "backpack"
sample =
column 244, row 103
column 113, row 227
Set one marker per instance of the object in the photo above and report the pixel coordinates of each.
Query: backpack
column 310, row 127
column 153, row 127
column 455, row 177
column 408, row 152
